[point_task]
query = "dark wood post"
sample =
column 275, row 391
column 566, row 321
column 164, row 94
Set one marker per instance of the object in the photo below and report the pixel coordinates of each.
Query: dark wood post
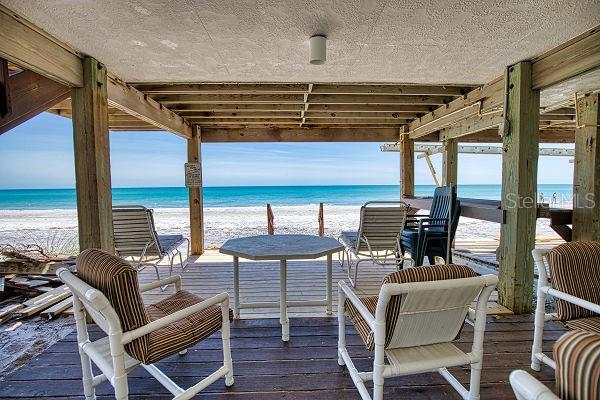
column 92, row 158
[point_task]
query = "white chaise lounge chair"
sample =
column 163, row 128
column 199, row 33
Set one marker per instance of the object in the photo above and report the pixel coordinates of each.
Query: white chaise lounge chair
column 412, row 322
column 106, row 289
column 378, row 237
column 135, row 236
column 570, row 273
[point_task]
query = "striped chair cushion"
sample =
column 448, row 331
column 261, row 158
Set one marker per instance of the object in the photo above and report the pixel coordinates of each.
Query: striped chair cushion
column 118, row 280
column 183, row 333
column 575, row 269
column 577, row 356
column 591, row 324
column 363, row 329
column 418, row 274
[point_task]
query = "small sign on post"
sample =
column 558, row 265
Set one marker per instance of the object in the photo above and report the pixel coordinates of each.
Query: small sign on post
column 193, row 175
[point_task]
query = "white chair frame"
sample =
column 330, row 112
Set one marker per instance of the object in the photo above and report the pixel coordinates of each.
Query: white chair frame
column 544, row 288
column 153, row 260
column 475, row 317
column 526, row 387
column 378, row 257
column 108, row 353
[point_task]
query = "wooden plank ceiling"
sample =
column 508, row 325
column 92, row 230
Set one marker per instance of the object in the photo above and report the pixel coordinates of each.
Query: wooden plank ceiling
column 276, row 105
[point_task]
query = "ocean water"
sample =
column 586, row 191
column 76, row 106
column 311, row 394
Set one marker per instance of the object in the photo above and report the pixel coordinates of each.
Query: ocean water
column 251, row 196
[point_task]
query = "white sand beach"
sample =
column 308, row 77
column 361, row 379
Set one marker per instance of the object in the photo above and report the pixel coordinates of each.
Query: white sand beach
column 37, row 226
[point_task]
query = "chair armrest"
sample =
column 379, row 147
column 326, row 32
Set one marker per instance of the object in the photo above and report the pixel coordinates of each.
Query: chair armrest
column 526, row 387
column 588, row 305
column 176, row 279
column 368, row 317
column 221, row 298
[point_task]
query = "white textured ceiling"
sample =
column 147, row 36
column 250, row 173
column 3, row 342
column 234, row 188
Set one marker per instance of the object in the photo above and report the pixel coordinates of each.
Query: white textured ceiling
column 445, row 41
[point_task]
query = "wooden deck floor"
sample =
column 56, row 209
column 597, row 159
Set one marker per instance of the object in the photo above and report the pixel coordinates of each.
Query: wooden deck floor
column 305, row 368
column 212, row 273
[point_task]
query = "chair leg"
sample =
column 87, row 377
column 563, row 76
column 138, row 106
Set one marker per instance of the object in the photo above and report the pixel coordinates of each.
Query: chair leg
column 378, row 367
column 227, row 362
column 356, row 273
column 171, row 260
column 538, row 335
column 341, row 327
column 88, row 377
column 475, row 381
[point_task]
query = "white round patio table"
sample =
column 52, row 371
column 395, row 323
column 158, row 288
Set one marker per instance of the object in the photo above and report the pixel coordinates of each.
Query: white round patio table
column 281, row 248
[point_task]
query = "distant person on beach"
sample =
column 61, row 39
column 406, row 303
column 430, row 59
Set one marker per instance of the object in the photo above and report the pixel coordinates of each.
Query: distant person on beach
column 554, row 199
column 542, row 197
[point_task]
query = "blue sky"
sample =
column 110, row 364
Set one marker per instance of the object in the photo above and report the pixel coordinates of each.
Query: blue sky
column 39, row 154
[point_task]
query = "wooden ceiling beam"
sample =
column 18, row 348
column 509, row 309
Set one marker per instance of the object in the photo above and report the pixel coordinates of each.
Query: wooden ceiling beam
column 32, row 49
column 348, row 115
column 482, row 99
column 392, row 89
column 376, row 99
column 471, row 125
column 560, row 111
column 242, row 114
column 223, row 88
column 299, row 99
column 225, row 107
column 298, row 134
column 394, row 108
column 573, row 58
column 230, row 99
column 349, row 121
column 132, row 101
column 31, row 94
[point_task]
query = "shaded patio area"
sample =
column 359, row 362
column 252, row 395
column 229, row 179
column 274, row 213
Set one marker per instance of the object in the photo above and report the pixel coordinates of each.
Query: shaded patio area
column 305, row 368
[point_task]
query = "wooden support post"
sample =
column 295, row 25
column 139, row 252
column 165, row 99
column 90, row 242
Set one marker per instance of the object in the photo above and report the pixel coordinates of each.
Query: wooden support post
column 270, row 221
column 321, row 220
column 519, row 187
column 195, row 195
column 92, row 158
column 407, row 166
column 586, row 184
column 5, row 106
column 450, row 163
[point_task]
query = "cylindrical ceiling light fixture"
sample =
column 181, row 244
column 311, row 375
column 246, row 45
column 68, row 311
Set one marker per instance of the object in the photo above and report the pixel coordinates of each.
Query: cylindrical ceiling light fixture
column 318, row 50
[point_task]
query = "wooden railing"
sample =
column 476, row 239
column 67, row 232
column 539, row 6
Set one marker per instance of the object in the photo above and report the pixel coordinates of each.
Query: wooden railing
column 271, row 220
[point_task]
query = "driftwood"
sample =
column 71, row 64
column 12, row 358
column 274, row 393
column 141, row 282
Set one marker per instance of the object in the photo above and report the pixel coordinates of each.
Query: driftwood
column 28, row 260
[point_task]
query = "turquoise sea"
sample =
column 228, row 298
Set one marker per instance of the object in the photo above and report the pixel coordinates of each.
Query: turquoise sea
column 248, row 196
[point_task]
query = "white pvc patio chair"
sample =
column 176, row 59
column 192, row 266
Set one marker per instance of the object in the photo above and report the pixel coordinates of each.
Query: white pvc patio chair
column 378, row 237
column 412, row 323
column 106, row 289
column 135, row 237
column 570, row 273
column 577, row 355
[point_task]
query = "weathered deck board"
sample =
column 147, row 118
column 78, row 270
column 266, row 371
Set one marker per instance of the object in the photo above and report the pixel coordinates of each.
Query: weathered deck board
column 267, row 368
column 212, row 273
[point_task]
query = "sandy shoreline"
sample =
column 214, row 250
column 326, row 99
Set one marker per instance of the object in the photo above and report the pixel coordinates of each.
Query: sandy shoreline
column 36, row 226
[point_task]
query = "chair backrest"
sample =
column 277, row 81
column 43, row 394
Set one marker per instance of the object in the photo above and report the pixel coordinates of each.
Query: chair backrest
column 577, row 356
column 118, row 282
column 381, row 224
column 444, row 197
column 134, row 232
column 575, row 269
column 428, row 305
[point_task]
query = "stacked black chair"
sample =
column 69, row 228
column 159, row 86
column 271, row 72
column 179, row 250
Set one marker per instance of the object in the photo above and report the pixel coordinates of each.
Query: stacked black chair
column 427, row 235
